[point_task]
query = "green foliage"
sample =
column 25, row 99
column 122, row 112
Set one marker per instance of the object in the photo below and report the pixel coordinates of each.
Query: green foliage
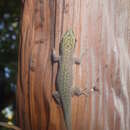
column 9, row 32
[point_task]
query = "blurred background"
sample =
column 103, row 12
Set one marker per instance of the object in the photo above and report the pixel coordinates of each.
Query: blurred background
column 9, row 38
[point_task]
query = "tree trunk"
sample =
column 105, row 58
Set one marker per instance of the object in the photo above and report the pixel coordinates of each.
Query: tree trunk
column 102, row 27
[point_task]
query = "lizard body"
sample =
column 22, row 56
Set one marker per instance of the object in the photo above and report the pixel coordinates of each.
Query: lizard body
column 64, row 82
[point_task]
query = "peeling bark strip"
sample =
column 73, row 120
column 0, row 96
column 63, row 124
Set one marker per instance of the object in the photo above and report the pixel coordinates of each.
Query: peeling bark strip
column 6, row 125
column 100, row 26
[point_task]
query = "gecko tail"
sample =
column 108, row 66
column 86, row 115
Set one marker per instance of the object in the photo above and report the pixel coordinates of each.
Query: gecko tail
column 68, row 123
column 68, row 119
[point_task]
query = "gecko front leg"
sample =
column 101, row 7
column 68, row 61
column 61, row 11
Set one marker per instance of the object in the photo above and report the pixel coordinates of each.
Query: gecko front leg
column 55, row 58
column 79, row 60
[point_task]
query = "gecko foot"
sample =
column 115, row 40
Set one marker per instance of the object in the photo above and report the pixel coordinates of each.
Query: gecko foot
column 56, row 97
column 54, row 57
column 77, row 91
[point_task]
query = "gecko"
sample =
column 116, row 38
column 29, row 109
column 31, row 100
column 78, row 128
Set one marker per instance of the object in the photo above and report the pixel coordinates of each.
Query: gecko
column 64, row 83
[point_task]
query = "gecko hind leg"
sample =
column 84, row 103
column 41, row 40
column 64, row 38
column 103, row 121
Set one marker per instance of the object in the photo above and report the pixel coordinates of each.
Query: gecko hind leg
column 56, row 97
column 78, row 92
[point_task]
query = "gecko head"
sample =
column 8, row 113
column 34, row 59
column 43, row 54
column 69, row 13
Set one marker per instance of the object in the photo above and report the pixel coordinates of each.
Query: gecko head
column 68, row 42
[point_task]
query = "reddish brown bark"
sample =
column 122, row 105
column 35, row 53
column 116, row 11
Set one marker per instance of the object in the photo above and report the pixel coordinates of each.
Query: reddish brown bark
column 101, row 27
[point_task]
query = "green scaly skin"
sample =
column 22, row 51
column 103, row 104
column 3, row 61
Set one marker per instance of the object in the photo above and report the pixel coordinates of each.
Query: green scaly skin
column 65, row 75
column 64, row 82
